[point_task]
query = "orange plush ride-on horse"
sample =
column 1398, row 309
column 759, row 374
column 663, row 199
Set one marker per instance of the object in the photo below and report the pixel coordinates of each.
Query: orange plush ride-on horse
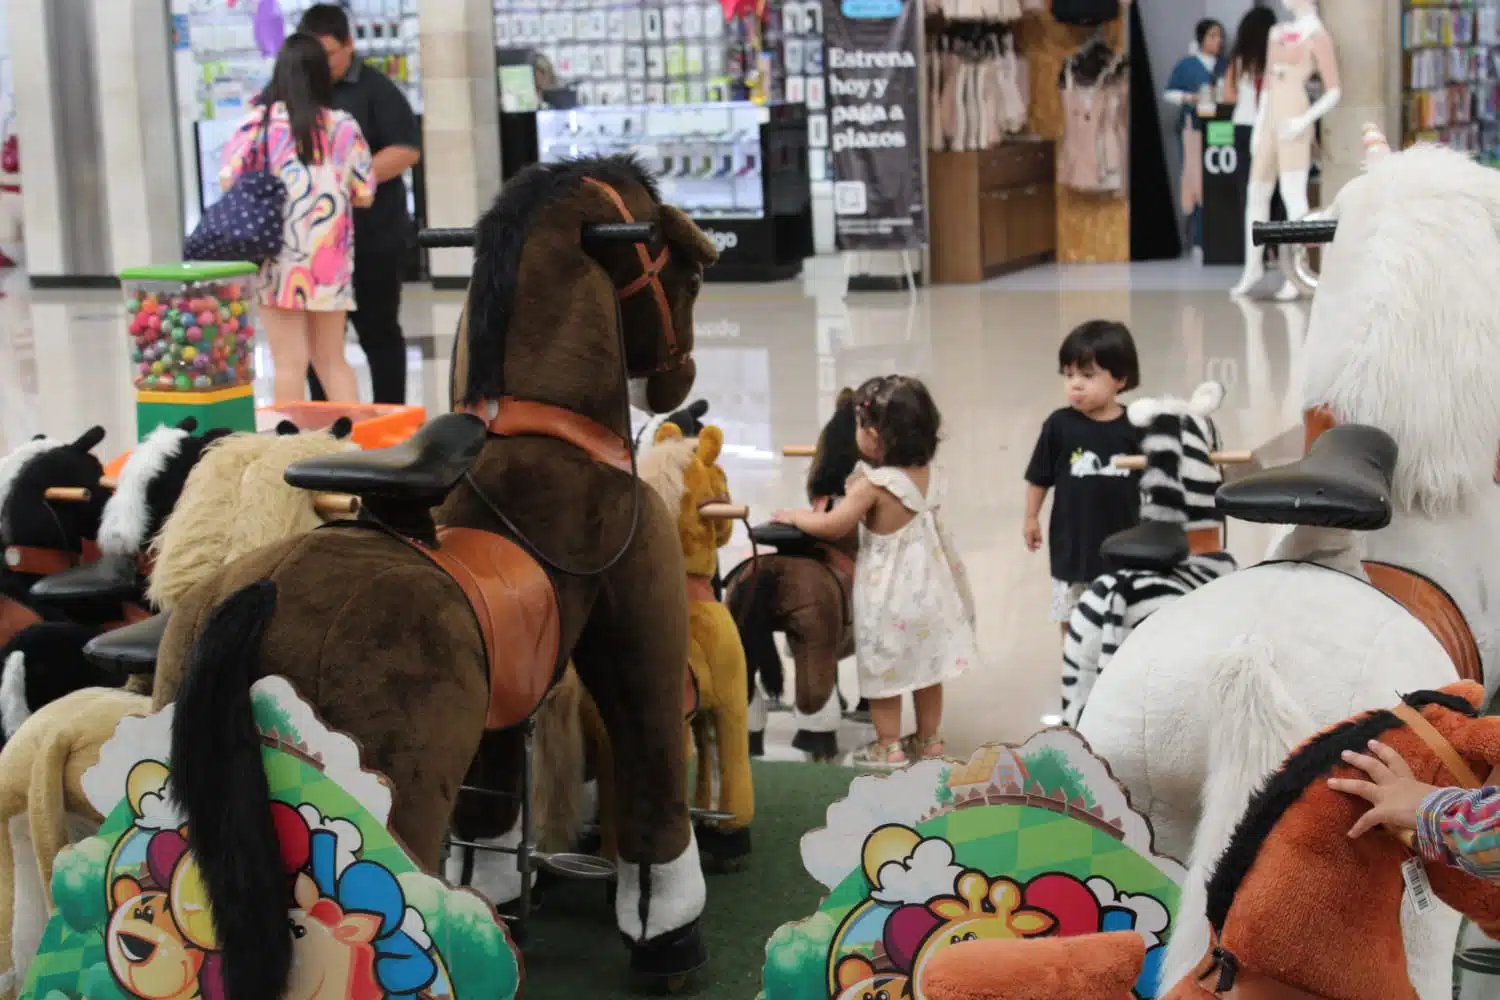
column 1294, row 899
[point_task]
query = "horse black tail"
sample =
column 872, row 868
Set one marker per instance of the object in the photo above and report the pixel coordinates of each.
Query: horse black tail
column 752, row 603
column 219, row 783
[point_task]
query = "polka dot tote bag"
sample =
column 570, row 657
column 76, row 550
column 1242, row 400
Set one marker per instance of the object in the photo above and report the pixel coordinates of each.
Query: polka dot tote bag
column 245, row 224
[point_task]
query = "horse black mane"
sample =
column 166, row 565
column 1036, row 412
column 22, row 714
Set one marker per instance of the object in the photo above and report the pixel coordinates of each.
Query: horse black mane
column 1312, row 761
column 836, row 454
column 501, row 236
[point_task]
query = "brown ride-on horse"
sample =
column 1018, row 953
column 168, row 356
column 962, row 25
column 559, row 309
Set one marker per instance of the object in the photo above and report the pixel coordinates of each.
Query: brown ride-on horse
column 417, row 639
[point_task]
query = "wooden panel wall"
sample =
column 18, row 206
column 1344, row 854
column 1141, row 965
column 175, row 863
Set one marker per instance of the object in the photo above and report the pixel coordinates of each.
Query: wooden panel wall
column 1090, row 229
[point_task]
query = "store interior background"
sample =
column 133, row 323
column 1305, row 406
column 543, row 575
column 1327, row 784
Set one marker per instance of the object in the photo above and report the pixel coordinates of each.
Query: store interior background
column 104, row 181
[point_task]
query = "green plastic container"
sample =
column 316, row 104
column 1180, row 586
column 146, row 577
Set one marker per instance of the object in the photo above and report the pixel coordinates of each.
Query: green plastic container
column 192, row 328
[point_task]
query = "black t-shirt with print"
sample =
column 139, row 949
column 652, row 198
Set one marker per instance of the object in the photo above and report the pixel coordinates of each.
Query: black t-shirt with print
column 1091, row 500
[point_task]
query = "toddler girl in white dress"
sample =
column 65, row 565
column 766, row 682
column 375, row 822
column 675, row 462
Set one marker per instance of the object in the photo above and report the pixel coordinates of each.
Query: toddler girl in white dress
column 913, row 610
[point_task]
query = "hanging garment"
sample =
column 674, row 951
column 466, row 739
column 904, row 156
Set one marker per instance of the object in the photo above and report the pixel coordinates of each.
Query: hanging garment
column 1095, row 145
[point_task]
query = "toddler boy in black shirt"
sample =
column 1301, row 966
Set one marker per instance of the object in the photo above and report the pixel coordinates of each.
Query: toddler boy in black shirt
column 1073, row 457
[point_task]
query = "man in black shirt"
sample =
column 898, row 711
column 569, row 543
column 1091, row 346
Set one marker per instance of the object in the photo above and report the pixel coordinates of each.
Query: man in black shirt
column 383, row 232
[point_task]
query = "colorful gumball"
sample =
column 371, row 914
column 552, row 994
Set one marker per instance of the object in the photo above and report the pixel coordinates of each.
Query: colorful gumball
column 202, row 382
column 193, row 334
column 133, row 305
column 189, row 353
column 210, row 331
column 164, row 382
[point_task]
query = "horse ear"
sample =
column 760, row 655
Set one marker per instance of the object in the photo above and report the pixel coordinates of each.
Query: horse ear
column 188, row 424
column 89, row 438
column 710, row 442
column 697, row 408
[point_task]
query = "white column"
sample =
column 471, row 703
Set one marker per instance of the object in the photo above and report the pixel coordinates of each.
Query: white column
column 36, row 122
column 137, row 112
column 460, row 121
column 1367, row 38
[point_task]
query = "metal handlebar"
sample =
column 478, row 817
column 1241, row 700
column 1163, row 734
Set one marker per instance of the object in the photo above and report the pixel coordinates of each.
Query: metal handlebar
column 1293, row 233
column 594, row 232
column 433, row 239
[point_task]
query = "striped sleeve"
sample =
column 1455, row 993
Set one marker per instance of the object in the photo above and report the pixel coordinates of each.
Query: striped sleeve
column 1462, row 828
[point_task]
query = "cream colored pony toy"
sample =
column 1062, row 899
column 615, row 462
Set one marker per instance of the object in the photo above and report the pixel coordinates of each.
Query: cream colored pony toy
column 234, row 500
column 1208, row 695
column 43, row 809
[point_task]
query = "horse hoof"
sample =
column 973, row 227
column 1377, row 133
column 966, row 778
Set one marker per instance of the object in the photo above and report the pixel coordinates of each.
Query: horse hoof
column 723, row 851
column 666, row 963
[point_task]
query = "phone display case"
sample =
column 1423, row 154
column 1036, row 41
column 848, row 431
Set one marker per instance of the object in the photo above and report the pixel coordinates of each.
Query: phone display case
column 738, row 169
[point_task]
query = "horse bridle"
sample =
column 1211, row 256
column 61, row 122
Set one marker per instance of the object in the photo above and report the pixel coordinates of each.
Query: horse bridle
column 648, row 281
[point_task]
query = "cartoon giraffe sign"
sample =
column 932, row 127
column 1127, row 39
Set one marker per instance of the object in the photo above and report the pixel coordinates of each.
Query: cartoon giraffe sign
column 133, row 921
column 1018, row 842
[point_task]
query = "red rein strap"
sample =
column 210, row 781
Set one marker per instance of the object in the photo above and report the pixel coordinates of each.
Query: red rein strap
column 651, row 268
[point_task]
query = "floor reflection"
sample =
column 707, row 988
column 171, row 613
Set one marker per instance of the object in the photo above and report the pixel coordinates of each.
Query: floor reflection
column 771, row 360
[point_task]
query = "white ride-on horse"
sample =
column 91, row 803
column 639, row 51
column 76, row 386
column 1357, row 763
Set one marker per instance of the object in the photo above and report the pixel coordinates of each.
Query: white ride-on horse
column 1210, row 694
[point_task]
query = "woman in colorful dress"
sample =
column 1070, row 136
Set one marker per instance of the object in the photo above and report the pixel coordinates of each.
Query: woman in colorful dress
column 307, row 291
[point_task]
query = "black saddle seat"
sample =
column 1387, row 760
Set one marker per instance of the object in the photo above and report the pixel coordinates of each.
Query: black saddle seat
column 1151, row 545
column 113, row 578
column 784, row 538
column 1343, row 482
column 422, row 468
column 131, row 649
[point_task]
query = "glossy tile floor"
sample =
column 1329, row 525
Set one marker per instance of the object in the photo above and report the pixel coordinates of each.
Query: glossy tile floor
column 771, row 360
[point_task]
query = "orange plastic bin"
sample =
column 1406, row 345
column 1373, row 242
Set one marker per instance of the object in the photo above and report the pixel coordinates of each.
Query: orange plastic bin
column 376, row 425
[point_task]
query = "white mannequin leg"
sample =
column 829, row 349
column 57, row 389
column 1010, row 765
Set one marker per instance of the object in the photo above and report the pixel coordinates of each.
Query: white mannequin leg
column 1257, row 209
column 1294, row 196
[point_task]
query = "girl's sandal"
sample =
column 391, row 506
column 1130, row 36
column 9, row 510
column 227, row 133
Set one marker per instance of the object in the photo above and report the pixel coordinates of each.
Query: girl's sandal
column 925, row 748
column 881, row 755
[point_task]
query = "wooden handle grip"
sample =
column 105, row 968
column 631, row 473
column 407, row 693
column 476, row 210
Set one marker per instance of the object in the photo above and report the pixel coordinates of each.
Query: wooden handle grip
column 335, row 504
column 108, row 483
column 799, row 451
column 1218, row 458
column 724, row 511
column 69, row 494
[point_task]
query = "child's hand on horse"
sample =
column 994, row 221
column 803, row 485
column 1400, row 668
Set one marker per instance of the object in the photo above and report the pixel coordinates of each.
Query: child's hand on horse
column 1393, row 793
column 785, row 517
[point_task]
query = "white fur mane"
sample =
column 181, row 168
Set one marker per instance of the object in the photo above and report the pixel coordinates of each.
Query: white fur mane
column 122, row 529
column 1405, row 327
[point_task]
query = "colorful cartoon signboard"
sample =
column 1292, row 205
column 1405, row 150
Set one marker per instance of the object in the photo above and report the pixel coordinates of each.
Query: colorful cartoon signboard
column 133, row 923
column 1018, row 842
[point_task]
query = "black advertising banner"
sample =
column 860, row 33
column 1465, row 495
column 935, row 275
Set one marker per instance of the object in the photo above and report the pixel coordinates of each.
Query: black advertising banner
column 875, row 140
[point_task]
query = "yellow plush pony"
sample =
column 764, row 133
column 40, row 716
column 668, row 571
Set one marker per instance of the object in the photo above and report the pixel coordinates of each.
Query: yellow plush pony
column 688, row 471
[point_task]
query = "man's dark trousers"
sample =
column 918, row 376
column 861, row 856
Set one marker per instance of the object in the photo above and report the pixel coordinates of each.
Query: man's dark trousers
column 377, row 292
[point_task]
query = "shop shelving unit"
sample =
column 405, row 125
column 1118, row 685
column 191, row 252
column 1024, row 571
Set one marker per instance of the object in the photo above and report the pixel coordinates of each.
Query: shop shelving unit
column 1450, row 75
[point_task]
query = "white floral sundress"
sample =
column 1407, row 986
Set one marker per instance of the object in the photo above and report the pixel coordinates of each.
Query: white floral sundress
column 913, row 610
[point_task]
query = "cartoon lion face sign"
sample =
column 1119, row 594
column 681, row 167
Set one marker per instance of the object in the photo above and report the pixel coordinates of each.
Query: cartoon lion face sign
column 147, row 952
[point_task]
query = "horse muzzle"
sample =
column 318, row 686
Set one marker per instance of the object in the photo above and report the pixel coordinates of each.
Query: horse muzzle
column 666, row 389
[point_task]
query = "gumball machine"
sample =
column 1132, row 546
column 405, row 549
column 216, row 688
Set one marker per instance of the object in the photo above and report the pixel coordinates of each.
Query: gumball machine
column 192, row 333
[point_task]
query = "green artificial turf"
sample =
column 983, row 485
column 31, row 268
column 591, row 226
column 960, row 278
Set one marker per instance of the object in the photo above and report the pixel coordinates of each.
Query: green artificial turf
column 573, row 950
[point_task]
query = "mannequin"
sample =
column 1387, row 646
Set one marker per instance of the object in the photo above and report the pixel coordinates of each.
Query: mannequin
column 1281, row 146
